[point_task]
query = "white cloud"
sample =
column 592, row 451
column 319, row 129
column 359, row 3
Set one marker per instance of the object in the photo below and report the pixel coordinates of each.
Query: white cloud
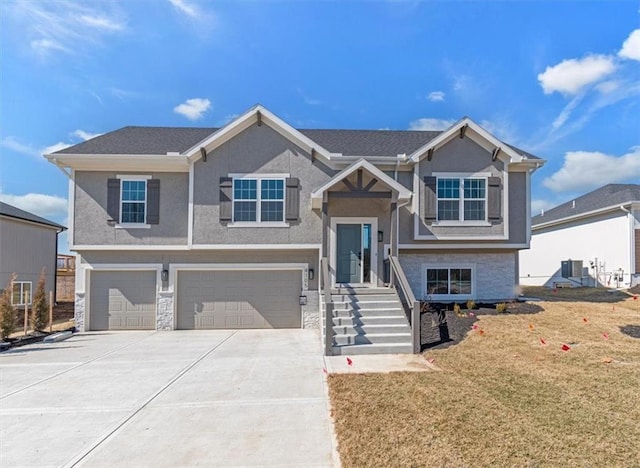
column 101, row 22
column 436, row 96
column 30, row 150
column 47, row 206
column 14, row 145
column 538, row 205
column 585, row 170
column 193, row 109
column 84, row 135
column 566, row 112
column 55, row 147
column 607, row 87
column 502, row 129
column 631, row 47
column 430, row 124
column 44, row 46
column 64, row 26
column 572, row 75
column 186, row 8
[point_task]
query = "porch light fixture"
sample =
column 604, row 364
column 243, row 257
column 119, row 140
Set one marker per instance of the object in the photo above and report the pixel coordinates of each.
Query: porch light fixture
column 164, row 275
column 311, row 273
column 380, row 236
column 303, row 300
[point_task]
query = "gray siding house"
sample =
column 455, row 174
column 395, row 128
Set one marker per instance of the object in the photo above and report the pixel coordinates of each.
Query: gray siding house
column 261, row 225
column 28, row 243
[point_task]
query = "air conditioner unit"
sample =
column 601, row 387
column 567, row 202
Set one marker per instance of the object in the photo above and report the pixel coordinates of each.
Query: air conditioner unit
column 571, row 268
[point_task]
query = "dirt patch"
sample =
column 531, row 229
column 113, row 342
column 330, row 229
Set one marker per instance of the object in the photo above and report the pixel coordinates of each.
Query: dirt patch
column 441, row 327
column 631, row 330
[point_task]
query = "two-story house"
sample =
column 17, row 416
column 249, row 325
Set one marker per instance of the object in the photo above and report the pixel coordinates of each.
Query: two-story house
column 261, row 225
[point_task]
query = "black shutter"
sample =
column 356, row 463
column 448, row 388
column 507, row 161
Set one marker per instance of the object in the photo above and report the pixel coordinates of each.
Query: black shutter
column 226, row 199
column 113, row 199
column 430, row 198
column 494, row 198
column 292, row 197
column 153, row 201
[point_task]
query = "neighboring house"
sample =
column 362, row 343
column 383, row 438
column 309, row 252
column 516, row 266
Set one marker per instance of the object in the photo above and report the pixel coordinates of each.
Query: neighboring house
column 244, row 226
column 28, row 243
column 597, row 236
column 66, row 278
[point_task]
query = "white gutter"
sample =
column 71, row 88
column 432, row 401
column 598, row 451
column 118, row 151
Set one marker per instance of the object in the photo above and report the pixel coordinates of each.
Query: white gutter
column 581, row 216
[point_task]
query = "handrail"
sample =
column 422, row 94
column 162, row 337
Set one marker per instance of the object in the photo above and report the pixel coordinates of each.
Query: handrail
column 402, row 279
column 325, row 284
column 398, row 278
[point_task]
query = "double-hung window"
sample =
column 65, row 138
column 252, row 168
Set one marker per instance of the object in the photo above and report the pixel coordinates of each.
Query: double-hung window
column 21, row 293
column 258, row 200
column 133, row 201
column 449, row 281
column 462, row 199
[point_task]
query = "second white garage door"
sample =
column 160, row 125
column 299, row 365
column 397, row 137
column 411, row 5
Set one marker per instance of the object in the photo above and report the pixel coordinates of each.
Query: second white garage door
column 239, row 299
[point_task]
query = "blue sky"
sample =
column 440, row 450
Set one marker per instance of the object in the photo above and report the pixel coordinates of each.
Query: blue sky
column 560, row 79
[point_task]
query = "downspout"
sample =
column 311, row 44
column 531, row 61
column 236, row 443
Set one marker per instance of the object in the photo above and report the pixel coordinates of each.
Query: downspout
column 632, row 252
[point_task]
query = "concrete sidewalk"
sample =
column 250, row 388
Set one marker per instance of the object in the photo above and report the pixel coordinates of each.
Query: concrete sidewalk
column 192, row 398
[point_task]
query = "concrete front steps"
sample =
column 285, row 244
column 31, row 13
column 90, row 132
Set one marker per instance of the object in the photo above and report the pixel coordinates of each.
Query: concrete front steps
column 369, row 321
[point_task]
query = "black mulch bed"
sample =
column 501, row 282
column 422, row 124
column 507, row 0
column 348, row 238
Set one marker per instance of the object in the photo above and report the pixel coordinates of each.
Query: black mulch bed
column 33, row 337
column 631, row 330
column 440, row 327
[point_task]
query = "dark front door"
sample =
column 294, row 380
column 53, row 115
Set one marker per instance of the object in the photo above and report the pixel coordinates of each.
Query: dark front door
column 349, row 253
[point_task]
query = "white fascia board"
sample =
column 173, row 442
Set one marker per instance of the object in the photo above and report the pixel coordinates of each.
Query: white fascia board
column 453, row 132
column 116, row 248
column 588, row 214
column 111, row 162
column 256, row 246
column 403, row 192
column 247, row 119
column 466, row 246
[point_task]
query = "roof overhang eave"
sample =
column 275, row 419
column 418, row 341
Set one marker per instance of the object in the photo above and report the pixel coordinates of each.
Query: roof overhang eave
column 145, row 162
column 403, row 194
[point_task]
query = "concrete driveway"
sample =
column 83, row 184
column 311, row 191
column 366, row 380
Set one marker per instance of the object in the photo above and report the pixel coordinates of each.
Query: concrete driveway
column 182, row 398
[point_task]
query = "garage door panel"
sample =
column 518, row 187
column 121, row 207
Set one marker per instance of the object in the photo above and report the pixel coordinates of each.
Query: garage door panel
column 123, row 300
column 232, row 299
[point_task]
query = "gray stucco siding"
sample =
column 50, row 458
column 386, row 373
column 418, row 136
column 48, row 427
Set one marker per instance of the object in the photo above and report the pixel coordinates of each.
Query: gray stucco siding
column 25, row 249
column 459, row 156
column 518, row 207
column 257, row 150
column 90, row 212
column 494, row 272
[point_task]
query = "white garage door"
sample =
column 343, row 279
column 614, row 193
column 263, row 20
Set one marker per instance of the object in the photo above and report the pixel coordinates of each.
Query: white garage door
column 239, row 299
column 123, row 300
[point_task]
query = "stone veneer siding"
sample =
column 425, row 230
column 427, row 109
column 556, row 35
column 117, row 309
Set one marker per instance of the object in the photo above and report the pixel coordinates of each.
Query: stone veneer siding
column 164, row 310
column 78, row 313
column 311, row 311
column 494, row 272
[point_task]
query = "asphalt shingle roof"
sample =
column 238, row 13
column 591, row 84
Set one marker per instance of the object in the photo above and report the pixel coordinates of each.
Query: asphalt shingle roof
column 162, row 140
column 609, row 195
column 142, row 140
column 13, row 212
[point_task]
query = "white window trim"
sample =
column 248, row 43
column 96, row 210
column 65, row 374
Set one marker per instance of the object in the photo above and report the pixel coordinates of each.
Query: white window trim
column 461, row 176
column 448, row 297
column 22, row 283
column 258, row 223
column 134, row 177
